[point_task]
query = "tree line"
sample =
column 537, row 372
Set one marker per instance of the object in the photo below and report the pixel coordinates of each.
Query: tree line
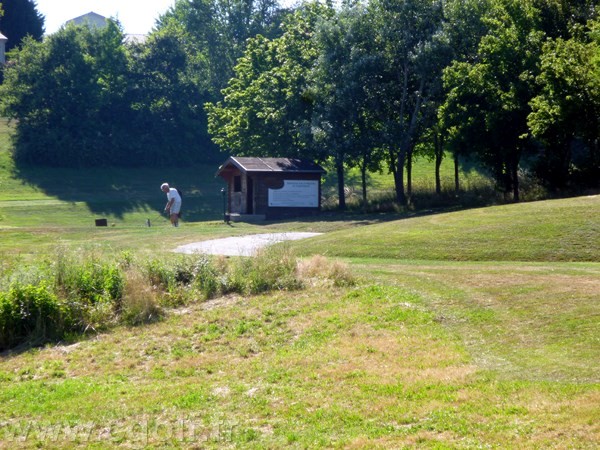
column 84, row 96
column 512, row 84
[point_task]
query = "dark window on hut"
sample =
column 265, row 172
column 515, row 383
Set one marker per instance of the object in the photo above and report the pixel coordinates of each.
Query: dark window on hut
column 237, row 184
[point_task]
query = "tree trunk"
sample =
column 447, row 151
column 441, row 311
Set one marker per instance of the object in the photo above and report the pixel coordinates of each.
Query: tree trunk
column 456, row 172
column 409, row 177
column 438, row 180
column 339, row 163
column 399, row 179
column 439, row 155
column 363, row 175
column 515, row 181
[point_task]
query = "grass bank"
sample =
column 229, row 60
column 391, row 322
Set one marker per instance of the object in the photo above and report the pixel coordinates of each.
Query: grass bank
column 368, row 367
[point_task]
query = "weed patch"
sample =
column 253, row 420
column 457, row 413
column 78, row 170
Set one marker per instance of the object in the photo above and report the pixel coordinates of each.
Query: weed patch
column 87, row 292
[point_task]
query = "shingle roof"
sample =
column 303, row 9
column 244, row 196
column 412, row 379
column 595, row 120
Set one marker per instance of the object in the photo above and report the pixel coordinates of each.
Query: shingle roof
column 253, row 164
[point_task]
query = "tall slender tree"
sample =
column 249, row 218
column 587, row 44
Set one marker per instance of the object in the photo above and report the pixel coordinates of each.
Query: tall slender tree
column 464, row 26
column 405, row 31
column 345, row 119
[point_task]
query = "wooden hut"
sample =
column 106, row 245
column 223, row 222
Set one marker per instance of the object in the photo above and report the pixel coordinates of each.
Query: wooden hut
column 271, row 188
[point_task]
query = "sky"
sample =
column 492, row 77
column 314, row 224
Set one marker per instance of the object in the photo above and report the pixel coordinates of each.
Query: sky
column 136, row 16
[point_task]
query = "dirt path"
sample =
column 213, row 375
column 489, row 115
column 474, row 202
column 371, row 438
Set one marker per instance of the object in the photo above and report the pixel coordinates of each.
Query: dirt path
column 240, row 245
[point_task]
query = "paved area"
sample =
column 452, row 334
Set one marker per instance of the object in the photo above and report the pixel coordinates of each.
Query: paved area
column 241, row 245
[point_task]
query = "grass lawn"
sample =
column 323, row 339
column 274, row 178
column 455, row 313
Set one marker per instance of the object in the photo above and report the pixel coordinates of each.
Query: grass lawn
column 556, row 230
column 470, row 329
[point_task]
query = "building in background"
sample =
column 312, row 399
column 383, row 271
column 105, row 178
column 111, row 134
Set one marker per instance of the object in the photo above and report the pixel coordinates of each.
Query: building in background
column 271, row 188
column 90, row 19
column 3, row 40
column 95, row 20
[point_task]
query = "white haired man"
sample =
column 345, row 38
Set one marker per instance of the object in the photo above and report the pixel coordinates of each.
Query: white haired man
column 173, row 206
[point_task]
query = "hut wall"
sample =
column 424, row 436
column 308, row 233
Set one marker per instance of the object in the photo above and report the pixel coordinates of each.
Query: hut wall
column 264, row 182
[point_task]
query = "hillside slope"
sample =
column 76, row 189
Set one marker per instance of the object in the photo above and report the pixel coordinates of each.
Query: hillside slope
column 553, row 230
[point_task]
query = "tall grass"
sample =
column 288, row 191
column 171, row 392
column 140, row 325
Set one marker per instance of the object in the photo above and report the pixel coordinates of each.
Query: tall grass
column 78, row 293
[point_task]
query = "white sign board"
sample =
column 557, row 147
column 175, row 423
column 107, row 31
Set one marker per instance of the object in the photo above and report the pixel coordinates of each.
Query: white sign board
column 295, row 194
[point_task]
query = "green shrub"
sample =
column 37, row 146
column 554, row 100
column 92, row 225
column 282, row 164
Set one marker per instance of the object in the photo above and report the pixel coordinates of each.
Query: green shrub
column 159, row 274
column 238, row 275
column 113, row 282
column 91, row 282
column 174, row 278
column 31, row 314
column 92, row 289
column 210, row 280
column 74, row 294
column 9, row 321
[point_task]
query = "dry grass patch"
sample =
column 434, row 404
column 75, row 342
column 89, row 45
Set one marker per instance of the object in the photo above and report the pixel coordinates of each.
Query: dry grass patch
column 318, row 269
column 140, row 302
column 396, row 356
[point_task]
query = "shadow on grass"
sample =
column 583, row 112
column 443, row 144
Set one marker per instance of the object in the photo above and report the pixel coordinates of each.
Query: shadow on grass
column 116, row 192
column 119, row 191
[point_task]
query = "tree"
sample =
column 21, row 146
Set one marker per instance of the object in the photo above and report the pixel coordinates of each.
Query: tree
column 405, row 32
column 167, row 104
column 345, row 119
column 64, row 94
column 488, row 100
column 462, row 30
column 214, row 34
column 20, row 19
column 568, row 107
column 267, row 107
column 557, row 17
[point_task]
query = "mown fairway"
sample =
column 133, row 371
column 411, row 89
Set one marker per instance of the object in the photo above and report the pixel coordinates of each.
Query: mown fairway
column 559, row 230
column 472, row 329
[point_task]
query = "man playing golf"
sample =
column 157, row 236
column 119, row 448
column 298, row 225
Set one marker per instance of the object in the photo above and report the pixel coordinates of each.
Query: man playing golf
column 173, row 203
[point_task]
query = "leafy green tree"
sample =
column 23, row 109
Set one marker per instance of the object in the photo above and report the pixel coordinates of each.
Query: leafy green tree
column 66, row 94
column 462, row 30
column 167, row 105
column 20, row 19
column 406, row 35
column 267, row 107
column 210, row 35
column 48, row 91
column 557, row 17
column 488, row 100
column 345, row 116
column 214, row 34
column 568, row 107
